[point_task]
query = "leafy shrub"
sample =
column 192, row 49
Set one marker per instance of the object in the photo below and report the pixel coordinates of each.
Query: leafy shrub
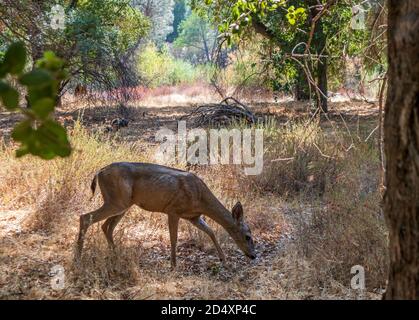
column 159, row 68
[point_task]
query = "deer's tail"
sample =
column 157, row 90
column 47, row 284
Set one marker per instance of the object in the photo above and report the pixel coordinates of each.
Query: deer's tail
column 93, row 185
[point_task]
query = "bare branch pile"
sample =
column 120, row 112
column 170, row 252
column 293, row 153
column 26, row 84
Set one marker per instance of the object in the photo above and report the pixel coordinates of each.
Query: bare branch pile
column 220, row 114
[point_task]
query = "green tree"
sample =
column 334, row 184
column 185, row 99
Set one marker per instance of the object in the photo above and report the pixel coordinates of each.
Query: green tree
column 160, row 15
column 96, row 43
column 199, row 37
column 308, row 37
column 179, row 14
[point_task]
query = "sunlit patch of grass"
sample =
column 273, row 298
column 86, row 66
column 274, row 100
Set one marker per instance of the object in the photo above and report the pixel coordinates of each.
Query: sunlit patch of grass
column 55, row 188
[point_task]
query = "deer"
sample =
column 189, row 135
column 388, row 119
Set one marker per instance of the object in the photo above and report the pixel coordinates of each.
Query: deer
column 157, row 188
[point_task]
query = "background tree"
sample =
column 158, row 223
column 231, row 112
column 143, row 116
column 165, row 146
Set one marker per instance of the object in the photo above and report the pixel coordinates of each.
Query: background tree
column 198, row 37
column 160, row 14
column 308, row 40
column 95, row 42
column 180, row 11
column 401, row 128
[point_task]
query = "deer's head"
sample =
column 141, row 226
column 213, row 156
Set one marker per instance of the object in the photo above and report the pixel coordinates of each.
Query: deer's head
column 244, row 238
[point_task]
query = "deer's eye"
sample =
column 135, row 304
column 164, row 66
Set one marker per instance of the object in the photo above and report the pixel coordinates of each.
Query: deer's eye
column 248, row 238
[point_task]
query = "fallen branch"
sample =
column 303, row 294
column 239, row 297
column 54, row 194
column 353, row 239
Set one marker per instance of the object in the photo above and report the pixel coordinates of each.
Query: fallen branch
column 223, row 113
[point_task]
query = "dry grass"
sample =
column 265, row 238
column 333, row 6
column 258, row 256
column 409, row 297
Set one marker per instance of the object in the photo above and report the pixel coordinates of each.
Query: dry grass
column 312, row 217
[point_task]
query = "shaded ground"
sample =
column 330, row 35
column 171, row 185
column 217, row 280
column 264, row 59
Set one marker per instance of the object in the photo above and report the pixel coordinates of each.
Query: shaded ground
column 146, row 121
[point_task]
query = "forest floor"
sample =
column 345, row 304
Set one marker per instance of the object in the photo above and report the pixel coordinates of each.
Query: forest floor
column 306, row 244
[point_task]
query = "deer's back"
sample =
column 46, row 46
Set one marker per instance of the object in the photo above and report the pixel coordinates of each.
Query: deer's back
column 154, row 187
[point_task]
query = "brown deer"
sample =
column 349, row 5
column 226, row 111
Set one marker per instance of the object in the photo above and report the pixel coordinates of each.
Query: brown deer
column 157, row 188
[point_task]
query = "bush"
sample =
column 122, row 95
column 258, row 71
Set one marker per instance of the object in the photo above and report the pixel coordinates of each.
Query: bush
column 159, row 68
column 245, row 72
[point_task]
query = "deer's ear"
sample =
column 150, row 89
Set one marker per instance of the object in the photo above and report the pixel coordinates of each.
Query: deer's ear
column 237, row 212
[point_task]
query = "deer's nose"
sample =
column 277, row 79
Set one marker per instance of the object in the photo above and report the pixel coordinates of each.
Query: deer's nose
column 252, row 256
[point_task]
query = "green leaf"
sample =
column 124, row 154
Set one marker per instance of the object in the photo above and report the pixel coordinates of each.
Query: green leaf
column 50, row 61
column 23, row 131
column 36, row 93
column 49, row 55
column 43, row 107
column 291, row 18
column 15, row 58
column 48, row 141
column 23, row 150
column 56, row 137
column 36, row 78
column 9, row 96
column 3, row 70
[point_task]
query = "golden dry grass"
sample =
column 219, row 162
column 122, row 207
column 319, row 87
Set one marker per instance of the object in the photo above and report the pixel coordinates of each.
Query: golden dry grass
column 311, row 224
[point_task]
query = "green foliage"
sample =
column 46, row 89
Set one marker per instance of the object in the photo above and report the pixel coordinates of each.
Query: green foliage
column 246, row 69
column 295, row 15
column 198, row 37
column 113, row 24
column 288, row 23
column 343, row 42
column 103, row 32
column 235, row 18
column 158, row 68
column 97, row 35
column 191, row 30
column 14, row 60
column 38, row 133
column 179, row 14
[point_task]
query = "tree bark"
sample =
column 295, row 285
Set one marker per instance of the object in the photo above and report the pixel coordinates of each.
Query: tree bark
column 401, row 134
column 322, row 69
column 301, row 89
column 319, row 44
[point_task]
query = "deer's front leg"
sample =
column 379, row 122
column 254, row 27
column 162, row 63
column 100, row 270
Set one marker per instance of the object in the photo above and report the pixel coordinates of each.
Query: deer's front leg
column 202, row 225
column 173, row 228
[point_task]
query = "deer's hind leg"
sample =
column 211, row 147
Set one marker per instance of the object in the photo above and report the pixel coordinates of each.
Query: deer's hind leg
column 86, row 220
column 116, row 191
column 109, row 226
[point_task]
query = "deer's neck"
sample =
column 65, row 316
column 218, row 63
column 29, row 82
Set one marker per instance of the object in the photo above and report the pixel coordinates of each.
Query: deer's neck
column 216, row 211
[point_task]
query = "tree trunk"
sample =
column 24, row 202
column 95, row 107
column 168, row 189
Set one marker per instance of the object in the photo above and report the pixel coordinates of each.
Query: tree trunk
column 401, row 130
column 301, row 89
column 322, row 67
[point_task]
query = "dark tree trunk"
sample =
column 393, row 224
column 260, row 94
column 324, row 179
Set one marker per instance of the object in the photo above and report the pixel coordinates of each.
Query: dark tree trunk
column 301, row 89
column 321, row 67
column 322, row 83
column 401, row 130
